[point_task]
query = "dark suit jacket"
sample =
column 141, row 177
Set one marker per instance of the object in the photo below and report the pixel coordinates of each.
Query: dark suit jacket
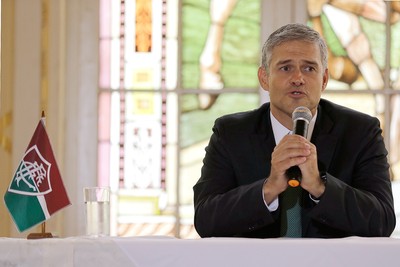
column 357, row 200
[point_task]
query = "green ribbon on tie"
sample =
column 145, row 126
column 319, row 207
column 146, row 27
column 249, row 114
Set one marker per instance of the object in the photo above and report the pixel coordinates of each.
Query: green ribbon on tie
column 291, row 212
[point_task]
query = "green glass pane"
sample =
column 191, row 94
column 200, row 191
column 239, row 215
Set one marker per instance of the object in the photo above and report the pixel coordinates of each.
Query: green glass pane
column 331, row 39
column 195, row 22
column 195, row 125
column 395, row 46
column 238, row 51
column 376, row 35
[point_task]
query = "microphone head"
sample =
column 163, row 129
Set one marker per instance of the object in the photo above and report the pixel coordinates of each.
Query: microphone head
column 302, row 113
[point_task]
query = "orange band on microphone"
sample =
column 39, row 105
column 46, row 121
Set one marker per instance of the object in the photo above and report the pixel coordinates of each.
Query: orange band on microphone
column 293, row 183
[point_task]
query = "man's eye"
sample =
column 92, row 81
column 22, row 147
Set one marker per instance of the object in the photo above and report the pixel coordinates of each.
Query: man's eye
column 285, row 68
column 309, row 69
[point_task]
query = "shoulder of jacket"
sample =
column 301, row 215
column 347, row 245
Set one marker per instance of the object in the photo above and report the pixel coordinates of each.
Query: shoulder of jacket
column 337, row 110
column 245, row 117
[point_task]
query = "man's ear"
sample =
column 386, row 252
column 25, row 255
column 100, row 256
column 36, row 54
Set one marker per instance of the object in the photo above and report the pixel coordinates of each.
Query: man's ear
column 325, row 79
column 263, row 78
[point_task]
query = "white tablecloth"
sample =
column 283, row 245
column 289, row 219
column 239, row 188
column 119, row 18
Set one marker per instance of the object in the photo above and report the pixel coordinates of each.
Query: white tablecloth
column 172, row 252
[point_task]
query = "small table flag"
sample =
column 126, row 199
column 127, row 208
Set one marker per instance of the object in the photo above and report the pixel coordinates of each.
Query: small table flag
column 36, row 191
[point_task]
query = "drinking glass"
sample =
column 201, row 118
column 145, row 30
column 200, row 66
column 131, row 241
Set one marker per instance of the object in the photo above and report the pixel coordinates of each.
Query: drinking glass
column 97, row 202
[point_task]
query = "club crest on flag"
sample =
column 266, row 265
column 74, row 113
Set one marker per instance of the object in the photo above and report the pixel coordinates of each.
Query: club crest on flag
column 32, row 175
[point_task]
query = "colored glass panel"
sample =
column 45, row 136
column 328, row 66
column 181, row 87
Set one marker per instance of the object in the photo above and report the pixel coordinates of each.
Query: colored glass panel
column 359, row 59
column 220, row 48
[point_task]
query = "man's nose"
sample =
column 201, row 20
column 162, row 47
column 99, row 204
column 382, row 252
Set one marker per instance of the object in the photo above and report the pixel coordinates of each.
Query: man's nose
column 297, row 78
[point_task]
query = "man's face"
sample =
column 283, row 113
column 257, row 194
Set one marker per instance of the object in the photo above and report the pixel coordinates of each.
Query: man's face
column 296, row 78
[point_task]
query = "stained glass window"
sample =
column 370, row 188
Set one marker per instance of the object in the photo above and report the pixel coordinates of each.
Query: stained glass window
column 157, row 105
column 132, row 106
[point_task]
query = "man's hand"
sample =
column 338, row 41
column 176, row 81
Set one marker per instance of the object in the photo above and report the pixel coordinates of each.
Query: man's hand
column 311, row 180
column 291, row 151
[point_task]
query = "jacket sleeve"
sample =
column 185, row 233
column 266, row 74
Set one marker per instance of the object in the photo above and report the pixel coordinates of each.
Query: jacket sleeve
column 358, row 197
column 223, row 207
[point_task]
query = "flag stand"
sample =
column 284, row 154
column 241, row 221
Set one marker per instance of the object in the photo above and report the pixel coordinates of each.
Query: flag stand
column 43, row 234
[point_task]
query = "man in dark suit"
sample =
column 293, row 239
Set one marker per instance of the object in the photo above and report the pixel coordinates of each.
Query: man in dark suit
column 345, row 188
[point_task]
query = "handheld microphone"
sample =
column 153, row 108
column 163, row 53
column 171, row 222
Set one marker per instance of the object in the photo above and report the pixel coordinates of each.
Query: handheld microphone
column 301, row 117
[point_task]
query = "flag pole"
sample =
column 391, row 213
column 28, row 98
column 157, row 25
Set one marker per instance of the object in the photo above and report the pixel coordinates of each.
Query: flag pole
column 43, row 234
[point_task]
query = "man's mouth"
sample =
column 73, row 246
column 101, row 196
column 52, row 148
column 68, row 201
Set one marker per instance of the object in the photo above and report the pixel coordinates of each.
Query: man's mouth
column 296, row 92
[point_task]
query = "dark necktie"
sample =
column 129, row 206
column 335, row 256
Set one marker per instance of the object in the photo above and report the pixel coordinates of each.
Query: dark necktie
column 291, row 212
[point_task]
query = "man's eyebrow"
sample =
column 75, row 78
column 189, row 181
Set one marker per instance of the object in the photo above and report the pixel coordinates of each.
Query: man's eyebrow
column 282, row 62
column 311, row 62
column 286, row 61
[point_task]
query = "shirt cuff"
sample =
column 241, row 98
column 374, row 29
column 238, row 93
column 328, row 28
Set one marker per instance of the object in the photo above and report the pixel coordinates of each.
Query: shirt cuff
column 274, row 204
column 316, row 201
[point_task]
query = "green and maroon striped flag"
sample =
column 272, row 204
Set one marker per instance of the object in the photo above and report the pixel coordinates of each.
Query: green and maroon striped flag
column 36, row 190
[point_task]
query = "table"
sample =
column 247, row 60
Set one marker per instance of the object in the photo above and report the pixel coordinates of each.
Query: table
column 157, row 251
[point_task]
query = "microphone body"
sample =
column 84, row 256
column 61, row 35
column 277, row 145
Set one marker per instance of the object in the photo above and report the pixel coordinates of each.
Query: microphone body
column 301, row 117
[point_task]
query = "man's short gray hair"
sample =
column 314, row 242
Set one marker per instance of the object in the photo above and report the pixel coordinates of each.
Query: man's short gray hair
column 293, row 32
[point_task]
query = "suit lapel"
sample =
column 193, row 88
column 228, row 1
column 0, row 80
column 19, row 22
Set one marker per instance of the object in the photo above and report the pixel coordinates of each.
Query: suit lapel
column 323, row 139
column 263, row 143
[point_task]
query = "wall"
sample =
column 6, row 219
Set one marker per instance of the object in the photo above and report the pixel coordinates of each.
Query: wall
column 68, row 61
